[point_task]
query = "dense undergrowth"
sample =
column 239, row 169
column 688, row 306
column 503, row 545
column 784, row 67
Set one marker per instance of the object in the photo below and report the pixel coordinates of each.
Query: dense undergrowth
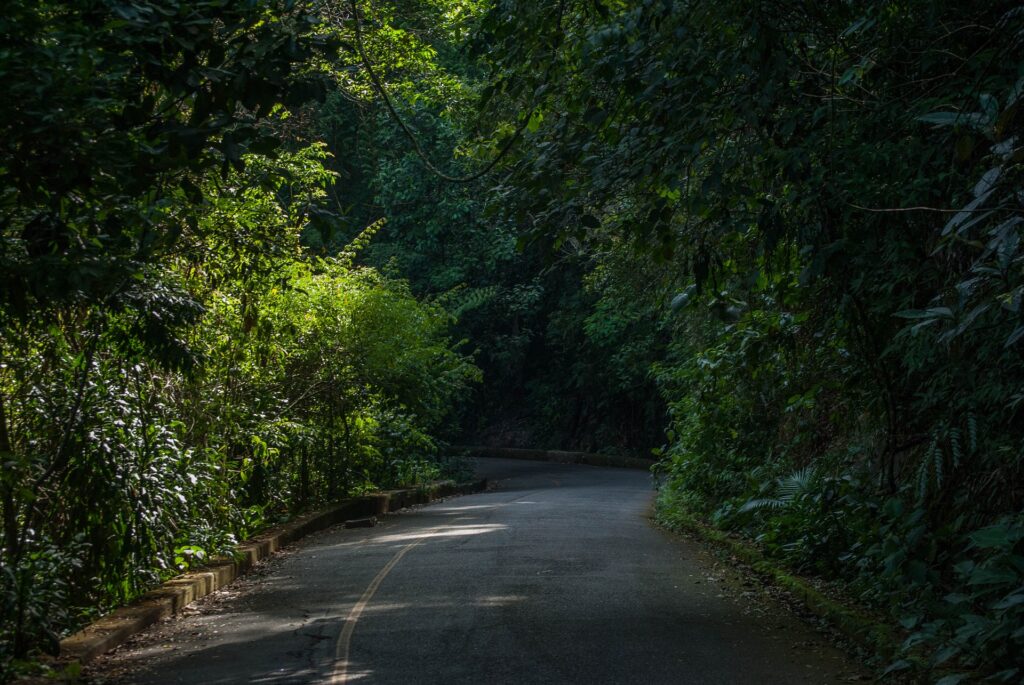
column 818, row 209
column 307, row 382
column 177, row 368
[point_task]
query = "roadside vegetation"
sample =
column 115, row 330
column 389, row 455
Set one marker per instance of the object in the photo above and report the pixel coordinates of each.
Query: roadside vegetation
column 177, row 370
column 257, row 256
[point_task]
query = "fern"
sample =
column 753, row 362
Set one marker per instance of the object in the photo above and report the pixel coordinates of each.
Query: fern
column 461, row 299
column 796, row 483
column 787, row 490
column 475, row 298
column 762, row 503
column 955, row 448
column 348, row 255
column 930, row 470
column 972, row 431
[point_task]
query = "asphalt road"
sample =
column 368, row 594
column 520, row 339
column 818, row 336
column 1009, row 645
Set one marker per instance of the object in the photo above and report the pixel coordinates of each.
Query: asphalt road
column 555, row 576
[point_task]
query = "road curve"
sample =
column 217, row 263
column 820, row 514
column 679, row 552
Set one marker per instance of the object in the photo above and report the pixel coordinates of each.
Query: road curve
column 555, row 576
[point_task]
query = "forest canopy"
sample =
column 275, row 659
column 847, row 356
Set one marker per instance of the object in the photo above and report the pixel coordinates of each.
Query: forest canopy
column 257, row 256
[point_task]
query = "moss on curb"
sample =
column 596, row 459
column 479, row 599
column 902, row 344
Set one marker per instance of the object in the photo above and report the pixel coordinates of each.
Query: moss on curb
column 865, row 630
column 871, row 633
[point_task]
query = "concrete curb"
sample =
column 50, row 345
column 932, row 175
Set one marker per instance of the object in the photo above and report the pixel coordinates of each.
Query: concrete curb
column 867, row 631
column 557, row 456
column 874, row 634
column 170, row 598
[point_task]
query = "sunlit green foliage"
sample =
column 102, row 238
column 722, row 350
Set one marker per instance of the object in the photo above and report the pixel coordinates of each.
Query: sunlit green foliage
column 176, row 370
column 310, row 380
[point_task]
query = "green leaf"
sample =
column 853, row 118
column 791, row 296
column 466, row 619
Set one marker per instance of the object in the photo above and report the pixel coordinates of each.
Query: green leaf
column 910, row 622
column 989, row 106
column 953, row 679
column 940, row 118
column 1015, row 599
column 897, row 666
column 986, row 576
column 934, row 312
column 1000, row 535
column 684, row 298
column 1008, row 675
column 1017, row 334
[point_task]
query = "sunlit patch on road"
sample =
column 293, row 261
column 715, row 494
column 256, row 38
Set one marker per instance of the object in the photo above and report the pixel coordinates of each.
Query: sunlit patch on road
column 500, row 600
column 447, row 532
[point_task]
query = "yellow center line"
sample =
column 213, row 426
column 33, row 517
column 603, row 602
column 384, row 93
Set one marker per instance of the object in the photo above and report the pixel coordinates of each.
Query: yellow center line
column 343, row 646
